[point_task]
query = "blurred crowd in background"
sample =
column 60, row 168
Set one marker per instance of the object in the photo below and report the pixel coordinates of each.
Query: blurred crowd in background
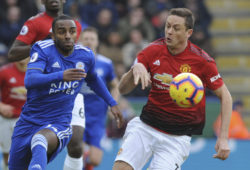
column 125, row 26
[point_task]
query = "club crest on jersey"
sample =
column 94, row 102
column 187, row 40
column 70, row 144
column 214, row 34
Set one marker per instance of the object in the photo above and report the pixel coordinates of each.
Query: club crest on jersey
column 80, row 65
column 34, row 57
column 24, row 30
column 185, row 68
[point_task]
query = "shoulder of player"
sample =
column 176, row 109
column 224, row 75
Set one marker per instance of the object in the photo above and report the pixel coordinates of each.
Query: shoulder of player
column 6, row 67
column 81, row 48
column 103, row 59
column 200, row 53
column 154, row 48
column 37, row 17
column 44, row 43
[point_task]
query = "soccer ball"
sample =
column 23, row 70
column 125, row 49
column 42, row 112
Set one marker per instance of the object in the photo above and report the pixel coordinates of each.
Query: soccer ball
column 186, row 90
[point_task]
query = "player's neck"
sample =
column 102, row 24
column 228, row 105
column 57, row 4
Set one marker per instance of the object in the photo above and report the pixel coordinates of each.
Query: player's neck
column 20, row 68
column 178, row 49
column 54, row 14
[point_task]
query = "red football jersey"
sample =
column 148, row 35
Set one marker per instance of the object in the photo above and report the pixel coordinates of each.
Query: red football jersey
column 38, row 28
column 13, row 91
column 160, row 111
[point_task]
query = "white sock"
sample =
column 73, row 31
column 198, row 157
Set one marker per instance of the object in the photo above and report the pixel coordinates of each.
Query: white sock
column 73, row 163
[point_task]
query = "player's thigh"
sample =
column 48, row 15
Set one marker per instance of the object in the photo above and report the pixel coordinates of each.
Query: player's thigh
column 137, row 143
column 6, row 131
column 51, row 139
column 20, row 152
column 60, row 137
column 78, row 113
column 170, row 153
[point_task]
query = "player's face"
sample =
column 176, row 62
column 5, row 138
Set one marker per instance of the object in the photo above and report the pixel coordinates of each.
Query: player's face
column 89, row 39
column 53, row 5
column 176, row 33
column 64, row 36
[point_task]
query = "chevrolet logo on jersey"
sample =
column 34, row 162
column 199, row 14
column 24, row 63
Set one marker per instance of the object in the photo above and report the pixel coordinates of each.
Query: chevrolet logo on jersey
column 164, row 78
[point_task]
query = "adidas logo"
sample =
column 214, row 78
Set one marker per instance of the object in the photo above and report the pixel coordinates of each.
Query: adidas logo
column 56, row 65
column 36, row 166
column 12, row 80
column 157, row 62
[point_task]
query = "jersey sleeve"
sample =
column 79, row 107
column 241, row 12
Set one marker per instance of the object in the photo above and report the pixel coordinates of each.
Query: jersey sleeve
column 1, row 77
column 38, row 59
column 143, row 58
column 212, row 76
column 28, row 33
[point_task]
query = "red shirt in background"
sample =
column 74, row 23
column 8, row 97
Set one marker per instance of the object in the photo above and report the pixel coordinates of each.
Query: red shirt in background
column 12, row 87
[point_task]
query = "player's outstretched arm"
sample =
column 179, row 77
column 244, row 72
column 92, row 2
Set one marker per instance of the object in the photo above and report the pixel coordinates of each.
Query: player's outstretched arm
column 221, row 146
column 18, row 51
column 131, row 79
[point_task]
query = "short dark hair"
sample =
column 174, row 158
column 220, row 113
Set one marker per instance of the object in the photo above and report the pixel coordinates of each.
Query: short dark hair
column 186, row 14
column 61, row 17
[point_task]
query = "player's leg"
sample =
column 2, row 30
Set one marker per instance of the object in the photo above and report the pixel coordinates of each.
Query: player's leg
column 94, row 133
column 74, row 159
column 43, row 143
column 6, row 131
column 130, row 157
column 170, row 152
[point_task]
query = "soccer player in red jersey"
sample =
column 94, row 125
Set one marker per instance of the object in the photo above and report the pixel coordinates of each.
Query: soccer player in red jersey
column 39, row 28
column 13, row 97
column 164, row 129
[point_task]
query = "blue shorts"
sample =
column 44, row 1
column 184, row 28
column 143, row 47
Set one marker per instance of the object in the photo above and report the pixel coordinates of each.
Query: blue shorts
column 20, row 151
column 93, row 133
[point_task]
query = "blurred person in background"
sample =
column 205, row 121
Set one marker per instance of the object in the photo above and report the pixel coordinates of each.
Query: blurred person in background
column 89, row 9
column 95, row 107
column 104, row 23
column 10, row 27
column 237, row 128
column 13, row 97
column 130, row 49
column 112, row 48
column 136, row 20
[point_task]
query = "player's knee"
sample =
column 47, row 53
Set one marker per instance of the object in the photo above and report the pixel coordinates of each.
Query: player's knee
column 75, row 149
column 95, row 162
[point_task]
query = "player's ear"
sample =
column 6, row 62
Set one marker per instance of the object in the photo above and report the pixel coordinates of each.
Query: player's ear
column 189, row 32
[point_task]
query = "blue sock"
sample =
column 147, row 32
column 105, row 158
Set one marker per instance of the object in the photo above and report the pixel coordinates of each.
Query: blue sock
column 39, row 147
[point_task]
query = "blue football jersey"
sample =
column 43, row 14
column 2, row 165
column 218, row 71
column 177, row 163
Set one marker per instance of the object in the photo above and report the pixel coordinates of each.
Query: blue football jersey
column 105, row 71
column 53, row 102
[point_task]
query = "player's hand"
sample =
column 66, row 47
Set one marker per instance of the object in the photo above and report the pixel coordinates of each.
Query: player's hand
column 6, row 110
column 118, row 115
column 74, row 74
column 141, row 75
column 222, row 149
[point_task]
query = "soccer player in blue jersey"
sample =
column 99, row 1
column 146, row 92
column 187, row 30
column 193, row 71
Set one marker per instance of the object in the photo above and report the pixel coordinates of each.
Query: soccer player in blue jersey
column 96, row 116
column 54, row 76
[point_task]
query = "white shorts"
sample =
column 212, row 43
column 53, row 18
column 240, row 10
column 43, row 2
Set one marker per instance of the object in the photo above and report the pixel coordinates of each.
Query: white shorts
column 6, row 131
column 78, row 113
column 141, row 142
